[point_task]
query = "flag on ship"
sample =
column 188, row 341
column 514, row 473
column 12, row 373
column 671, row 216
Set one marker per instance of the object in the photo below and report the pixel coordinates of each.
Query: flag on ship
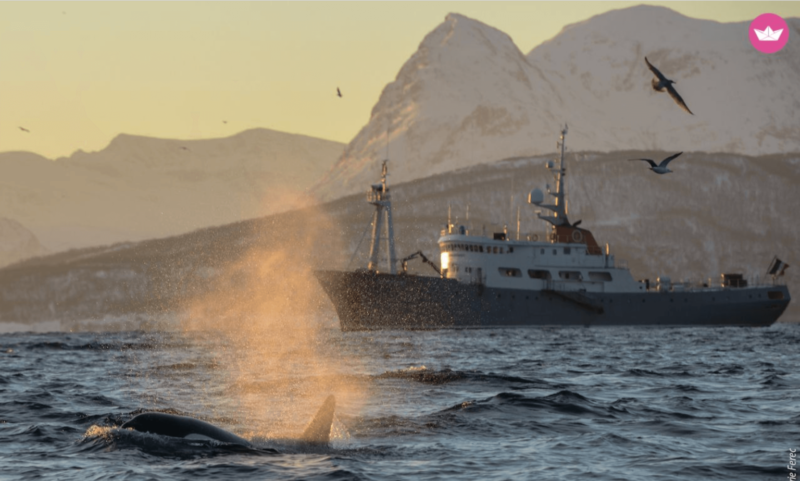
column 777, row 267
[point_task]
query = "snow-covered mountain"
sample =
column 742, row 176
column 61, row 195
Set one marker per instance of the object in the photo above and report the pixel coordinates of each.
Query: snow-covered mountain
column 469, row 96
column 140, row 188
column 744, row 101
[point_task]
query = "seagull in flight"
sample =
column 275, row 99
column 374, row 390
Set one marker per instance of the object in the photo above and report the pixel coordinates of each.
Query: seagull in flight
column 661, row 82
column 24, row 129
column 338, row 92
column 662, row 167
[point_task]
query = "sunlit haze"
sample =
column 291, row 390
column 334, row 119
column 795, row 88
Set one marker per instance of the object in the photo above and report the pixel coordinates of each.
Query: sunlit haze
column 75, row 75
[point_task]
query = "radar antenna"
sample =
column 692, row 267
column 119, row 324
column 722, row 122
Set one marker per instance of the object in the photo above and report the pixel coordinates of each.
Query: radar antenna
column 559, row 206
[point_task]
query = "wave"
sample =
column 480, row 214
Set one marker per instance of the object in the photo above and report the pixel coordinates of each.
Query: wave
column 445, row 376
column 734, row 369
column 563, row 401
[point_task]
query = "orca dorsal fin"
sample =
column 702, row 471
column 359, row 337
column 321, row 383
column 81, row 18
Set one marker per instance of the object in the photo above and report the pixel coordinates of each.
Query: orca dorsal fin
column 318, row 430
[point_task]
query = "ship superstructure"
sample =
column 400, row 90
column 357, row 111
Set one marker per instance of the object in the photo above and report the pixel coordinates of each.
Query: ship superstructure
column 564, row 278
column 566, row 259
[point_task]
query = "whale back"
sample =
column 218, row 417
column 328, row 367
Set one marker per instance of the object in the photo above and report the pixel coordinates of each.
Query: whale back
column 318, row 430
column 181, row 427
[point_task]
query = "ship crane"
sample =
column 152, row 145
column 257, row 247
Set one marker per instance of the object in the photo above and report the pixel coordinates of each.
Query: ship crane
column 424, row 259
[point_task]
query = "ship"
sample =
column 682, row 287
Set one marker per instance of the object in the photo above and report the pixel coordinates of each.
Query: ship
column 564, row 278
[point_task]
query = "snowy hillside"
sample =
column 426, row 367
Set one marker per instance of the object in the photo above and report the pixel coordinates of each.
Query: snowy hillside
column 139, row 187
column 469, row 96
column 17, row 242
column 744, row 101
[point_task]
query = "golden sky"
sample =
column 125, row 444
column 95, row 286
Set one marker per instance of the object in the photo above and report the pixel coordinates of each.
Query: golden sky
column 76, row 74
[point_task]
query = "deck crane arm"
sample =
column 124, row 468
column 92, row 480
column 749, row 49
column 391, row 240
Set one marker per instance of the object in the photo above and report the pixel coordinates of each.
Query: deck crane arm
column 419, row 254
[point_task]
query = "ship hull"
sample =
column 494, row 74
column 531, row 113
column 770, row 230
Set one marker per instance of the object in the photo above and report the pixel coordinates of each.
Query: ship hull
column 370, row 301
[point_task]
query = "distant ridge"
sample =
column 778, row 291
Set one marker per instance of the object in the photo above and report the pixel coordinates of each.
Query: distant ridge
column 143, row 187
column 730, row 232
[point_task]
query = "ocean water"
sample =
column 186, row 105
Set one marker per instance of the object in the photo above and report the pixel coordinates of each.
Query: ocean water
column 550, row 404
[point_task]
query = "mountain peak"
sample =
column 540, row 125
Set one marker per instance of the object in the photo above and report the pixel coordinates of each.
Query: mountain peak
column 468, row 96
column 459, row 31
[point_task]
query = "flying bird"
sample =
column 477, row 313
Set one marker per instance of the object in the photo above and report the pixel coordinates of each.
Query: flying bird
column 662, row 167
column 224, row 121
column 661, row 82
column 338, row 92
column 24, row 129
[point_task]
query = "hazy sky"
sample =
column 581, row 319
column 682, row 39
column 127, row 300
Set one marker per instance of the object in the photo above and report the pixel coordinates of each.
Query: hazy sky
column 78, row 74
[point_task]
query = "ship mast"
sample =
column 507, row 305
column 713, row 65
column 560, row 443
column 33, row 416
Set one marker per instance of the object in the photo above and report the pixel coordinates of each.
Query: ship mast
column 379, row 196
column 559, row 207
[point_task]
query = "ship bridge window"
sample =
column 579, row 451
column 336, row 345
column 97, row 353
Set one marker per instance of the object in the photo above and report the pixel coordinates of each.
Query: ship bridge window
column 775, row 295
column 510, row 272
column 542, row 251
column 570, row 275
column 480, row 248
column 537, row 274
column 600, row 276
column 555, row 252
column 510, row 250
column 567, row 250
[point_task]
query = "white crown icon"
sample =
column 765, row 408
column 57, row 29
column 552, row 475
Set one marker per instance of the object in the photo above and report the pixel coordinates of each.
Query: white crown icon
column 768, row 35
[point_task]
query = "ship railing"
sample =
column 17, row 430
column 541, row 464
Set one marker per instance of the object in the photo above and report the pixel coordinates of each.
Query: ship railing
column 570, row 286
column 765, row 281
column 713, row 284
column 375, row 196
column 561, row 239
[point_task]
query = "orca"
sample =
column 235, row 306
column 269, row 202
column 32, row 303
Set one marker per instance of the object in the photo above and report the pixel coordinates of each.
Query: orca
column 317, row 432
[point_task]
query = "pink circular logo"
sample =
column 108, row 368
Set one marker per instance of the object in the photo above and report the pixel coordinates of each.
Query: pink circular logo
column 768, row 33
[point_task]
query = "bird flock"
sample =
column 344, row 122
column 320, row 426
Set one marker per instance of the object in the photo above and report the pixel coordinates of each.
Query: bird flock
column 661, row 83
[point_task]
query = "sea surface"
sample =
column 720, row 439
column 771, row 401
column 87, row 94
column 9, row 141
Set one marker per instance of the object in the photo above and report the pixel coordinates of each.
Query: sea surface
column 551, row 404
